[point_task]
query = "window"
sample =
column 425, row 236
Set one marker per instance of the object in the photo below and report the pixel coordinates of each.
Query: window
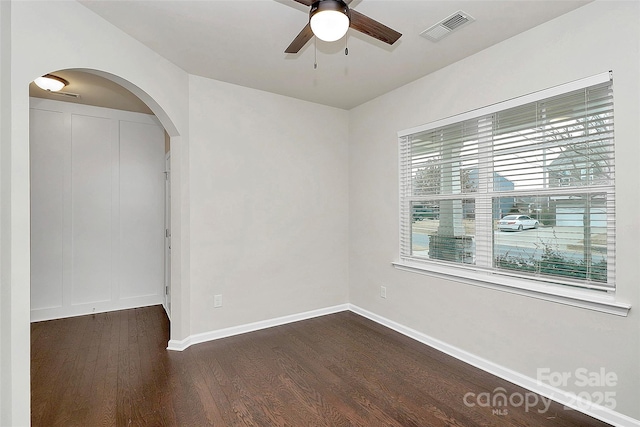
column 520, row 189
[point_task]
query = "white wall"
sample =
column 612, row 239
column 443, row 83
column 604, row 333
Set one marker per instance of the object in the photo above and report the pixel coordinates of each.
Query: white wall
column 269, row 205
column 5, row 262
column 519, row 333
column 97, row 209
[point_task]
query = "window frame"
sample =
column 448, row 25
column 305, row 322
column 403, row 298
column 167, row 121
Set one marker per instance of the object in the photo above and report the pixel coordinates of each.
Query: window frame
column 556, row 290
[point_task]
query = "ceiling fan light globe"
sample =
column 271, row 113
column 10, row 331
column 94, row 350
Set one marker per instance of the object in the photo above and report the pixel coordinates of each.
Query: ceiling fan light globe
column 50, row 83
column 329, row 25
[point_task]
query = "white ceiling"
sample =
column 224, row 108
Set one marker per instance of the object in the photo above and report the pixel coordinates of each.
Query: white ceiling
column 243, row 41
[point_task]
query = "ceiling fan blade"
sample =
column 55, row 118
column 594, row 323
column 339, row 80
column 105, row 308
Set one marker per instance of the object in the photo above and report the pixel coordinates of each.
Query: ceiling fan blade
column 373, row 28
column 305, row 2
column 301, row 39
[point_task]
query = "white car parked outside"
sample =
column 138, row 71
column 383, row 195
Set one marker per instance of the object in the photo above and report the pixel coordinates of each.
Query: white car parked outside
column 517, row 223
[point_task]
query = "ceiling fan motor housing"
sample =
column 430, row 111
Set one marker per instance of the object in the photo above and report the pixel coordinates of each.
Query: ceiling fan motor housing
column 334, row 5
column 335, row 23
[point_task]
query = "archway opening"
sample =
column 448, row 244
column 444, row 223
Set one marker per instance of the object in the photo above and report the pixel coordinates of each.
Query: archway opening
column 100, row 222
column 99, row 225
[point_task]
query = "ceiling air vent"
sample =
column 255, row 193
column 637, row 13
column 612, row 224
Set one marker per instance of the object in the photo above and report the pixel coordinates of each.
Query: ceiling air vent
column 447, row 25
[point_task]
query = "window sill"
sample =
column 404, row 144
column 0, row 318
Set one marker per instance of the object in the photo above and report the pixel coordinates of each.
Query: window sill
column 588, row 299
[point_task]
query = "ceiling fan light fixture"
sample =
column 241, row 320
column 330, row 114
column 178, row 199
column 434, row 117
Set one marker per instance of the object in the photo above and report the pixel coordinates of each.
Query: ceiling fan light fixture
column 329, row 19
column 50, row 83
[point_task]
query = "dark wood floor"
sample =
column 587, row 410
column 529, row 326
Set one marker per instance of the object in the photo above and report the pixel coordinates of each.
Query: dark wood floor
column 339, row 370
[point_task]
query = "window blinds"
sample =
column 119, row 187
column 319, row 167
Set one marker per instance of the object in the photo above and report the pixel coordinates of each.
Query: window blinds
column 550, row 159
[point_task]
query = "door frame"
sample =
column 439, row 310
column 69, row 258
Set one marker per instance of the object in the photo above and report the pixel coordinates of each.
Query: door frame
column 167, row 234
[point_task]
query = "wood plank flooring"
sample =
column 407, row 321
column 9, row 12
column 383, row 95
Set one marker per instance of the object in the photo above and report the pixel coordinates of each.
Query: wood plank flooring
column 113, row 369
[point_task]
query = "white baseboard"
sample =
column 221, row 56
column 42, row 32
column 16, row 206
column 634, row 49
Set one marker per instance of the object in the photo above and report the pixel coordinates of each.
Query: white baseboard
column 62, row 312
column 179, row 345
column 567, row 399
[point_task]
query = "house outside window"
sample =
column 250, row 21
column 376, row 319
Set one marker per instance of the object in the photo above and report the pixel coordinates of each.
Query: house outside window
column 545, row 159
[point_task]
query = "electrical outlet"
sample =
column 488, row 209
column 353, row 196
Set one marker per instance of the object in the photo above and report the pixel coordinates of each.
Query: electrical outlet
column 217, row 301
column 383, row 291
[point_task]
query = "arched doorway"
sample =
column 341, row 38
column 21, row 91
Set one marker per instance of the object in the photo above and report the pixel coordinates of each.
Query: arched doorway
column 98, row 226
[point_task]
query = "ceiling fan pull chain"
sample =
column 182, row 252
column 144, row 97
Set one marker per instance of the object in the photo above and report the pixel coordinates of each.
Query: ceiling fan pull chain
column 315, row 53
column 346, row 45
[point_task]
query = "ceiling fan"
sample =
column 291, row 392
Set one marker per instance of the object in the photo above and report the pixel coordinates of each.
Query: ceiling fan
column 336, row 17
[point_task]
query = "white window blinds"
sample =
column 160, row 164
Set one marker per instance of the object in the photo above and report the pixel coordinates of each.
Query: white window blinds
column 522, row 188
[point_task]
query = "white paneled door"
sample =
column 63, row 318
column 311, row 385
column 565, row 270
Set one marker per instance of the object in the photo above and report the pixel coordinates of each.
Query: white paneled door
column 167, row 234
column 97, row 210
